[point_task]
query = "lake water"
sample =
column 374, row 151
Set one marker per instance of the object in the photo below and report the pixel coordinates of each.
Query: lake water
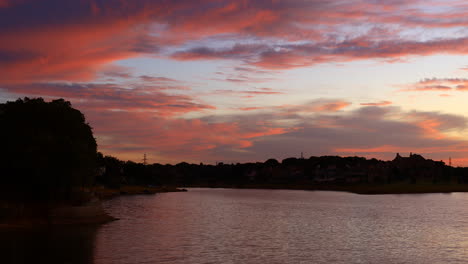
column 260, row 226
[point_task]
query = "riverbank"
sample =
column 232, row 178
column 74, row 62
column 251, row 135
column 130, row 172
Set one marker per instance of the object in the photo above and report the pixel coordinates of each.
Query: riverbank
column 365, row 189
column 108, row 193
column 398, row 188
column 33, row 215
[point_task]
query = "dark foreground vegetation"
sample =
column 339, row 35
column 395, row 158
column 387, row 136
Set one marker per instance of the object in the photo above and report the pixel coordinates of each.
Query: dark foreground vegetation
column 48, row 151
column 48, row 166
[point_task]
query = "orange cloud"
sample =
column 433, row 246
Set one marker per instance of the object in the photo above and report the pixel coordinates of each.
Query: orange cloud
column 316, row 106
column 331, row 107
column 320, row 105
column 268, row 132
column 172, row 139
column 434, row 125
column 431, row 128
column 381, row 103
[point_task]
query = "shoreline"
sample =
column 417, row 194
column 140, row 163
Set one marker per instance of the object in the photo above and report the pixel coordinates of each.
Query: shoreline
column 361, row 189
column 27, row 216
column 105, row 193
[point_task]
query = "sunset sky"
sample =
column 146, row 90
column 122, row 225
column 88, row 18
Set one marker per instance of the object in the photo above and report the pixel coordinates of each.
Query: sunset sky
column 236, row 81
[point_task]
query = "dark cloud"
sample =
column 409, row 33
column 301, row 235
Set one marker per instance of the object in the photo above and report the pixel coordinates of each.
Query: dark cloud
column 369, row 131
column 147, row 78
column 284, row 56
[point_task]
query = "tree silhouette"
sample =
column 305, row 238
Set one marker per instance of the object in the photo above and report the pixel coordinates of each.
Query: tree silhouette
column 47, row 152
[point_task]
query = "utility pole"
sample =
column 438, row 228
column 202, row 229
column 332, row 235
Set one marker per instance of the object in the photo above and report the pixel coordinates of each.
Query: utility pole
column 450, row 161
column 145, row 160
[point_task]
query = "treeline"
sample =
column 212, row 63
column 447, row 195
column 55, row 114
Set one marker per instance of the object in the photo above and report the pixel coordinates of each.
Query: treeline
column 288, row 172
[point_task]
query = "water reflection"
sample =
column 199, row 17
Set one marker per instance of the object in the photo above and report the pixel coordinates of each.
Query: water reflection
column 280, row 226
column 53, row 246
column 258, row 226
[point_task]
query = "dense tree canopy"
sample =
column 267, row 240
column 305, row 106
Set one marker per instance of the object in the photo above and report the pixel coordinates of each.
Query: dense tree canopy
column 48, row 150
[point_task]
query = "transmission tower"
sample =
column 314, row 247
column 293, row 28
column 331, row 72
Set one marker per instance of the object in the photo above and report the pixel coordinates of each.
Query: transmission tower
column 145, row 160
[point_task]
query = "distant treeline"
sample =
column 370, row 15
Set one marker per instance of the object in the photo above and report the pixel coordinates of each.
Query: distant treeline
column 289, row 172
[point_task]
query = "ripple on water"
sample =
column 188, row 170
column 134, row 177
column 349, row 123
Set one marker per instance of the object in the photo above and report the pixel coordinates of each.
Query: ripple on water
column 262, row 226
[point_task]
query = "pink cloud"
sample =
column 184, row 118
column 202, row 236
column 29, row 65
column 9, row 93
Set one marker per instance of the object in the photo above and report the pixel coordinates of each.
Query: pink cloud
column 51, row 45
column 4, row 3
column 316, row 106
column 250, row 108
column 248, row 93
column 438, row 84
column 114, row 97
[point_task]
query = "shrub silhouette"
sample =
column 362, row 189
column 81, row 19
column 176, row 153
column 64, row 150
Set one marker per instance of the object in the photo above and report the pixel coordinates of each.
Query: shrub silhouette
column 47, row 152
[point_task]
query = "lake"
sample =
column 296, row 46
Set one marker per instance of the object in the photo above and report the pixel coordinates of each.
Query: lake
column 259, row 226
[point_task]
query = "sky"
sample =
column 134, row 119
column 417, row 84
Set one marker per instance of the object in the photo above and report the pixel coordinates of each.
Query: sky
column 248, row 80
